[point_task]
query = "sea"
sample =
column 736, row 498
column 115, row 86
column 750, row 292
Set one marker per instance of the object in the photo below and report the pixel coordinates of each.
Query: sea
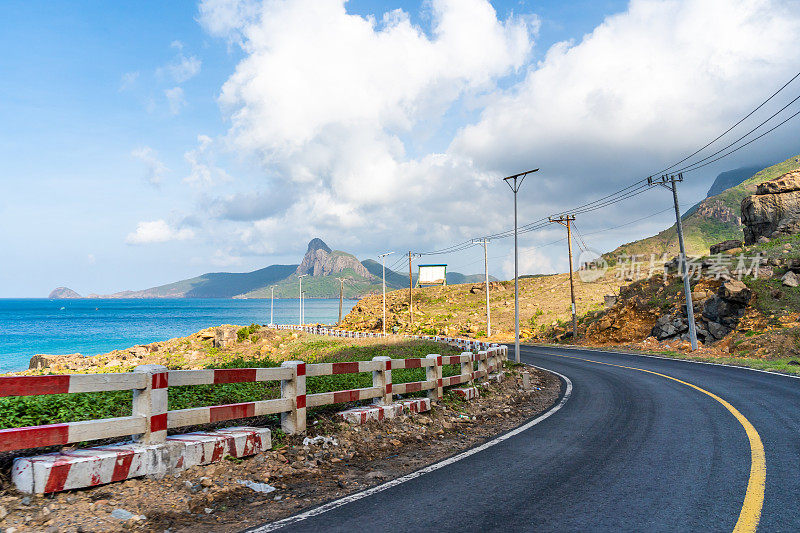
column 95, row 326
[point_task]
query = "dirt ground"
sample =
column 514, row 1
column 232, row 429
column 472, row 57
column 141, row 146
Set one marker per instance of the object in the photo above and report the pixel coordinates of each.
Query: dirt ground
column 213, row 498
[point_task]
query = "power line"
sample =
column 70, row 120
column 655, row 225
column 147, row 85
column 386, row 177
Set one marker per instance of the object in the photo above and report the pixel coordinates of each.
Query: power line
column 742, row 137
column 762, row 104
column 742, row 146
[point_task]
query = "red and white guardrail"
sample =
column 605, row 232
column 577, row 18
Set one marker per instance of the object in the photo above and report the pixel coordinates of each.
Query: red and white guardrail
column 150, row 418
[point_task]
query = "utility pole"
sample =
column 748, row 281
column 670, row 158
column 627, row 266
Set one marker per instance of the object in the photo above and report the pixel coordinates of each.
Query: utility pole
column 300, row 277
column 341, row 294
column 272, row 305
column 410, row 297
column 565, row 221
column 484, row 242
column 411, row 257
column 383, row 268
column 518, row 179
column 303, row 307
column 670, row 182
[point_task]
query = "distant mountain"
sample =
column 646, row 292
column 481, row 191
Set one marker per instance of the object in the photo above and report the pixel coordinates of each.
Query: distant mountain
column 213, row 285
column 715, row 219
column 321, row 269
column 724, row 181
column 63, row 293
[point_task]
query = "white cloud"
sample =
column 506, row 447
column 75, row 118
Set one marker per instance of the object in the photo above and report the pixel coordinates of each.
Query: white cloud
column 175, row 99
column 128, row 80
column 157, row 231
column 531, row 261
column 91, row 259
column 325, row 99
column 155, row 169
column 183, row 68
column 656, row 81
column 203, row 170
column 337, row 108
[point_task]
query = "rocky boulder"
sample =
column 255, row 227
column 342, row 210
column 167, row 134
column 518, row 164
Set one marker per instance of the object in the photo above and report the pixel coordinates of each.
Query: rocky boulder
column 774, row 210
column 725, row 245
column 720, row 314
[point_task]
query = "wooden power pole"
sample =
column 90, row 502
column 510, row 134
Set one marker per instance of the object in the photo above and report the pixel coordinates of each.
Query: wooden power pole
column 565, row 221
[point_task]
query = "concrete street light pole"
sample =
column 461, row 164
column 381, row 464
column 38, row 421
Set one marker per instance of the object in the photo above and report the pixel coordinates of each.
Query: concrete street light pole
column 484, row 242
column 518, row 179
column 300, row 277
column 383, row 268
column 272, row 306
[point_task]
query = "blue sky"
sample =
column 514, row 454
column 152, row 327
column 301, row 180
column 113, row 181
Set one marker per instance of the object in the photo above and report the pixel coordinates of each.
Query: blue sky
column 105, row 105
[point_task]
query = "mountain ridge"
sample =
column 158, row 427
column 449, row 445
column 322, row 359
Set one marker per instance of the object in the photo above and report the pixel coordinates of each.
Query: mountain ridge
column 715, row 219
column 321, row 268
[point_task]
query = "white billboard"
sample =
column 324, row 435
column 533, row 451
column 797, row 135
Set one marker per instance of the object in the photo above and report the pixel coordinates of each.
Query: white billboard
column 432, row 275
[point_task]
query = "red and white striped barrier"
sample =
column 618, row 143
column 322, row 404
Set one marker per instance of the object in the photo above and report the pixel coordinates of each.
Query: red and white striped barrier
column 468, row 393
column 97, row 466
column 362, row 415
column 151, row 419
column 416, row 405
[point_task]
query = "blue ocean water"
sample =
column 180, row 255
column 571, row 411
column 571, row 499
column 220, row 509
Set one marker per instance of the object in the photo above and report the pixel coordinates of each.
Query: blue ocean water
column 93, row 326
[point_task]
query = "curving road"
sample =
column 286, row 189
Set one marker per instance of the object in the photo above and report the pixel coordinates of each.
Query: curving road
column 628, row 450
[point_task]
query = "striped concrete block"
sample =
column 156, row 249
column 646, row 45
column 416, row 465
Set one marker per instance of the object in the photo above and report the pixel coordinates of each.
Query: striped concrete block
column 468, row 393
column 416, row 405
column 205, row 448
column 87, row 468
column 90, row 467
column 362, row 415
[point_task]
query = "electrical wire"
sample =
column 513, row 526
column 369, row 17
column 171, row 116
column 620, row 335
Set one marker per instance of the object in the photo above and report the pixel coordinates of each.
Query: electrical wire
column 743, row 136
column 762, row 104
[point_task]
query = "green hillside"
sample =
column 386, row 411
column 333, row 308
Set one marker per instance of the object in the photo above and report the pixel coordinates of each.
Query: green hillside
column 215, row 284
column 355, row 286
column 714, row 220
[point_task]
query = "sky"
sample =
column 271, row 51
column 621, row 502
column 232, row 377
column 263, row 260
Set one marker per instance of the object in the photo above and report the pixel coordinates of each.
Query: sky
column 147, row 142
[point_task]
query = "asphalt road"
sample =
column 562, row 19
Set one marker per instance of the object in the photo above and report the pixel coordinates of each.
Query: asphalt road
column 627, row 451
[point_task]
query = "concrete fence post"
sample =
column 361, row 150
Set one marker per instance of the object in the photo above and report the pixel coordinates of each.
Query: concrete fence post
column 383, row 379
column 151, row 403
column 294, row 389
column 468, row 367
column 434, row 373
column 483, row 362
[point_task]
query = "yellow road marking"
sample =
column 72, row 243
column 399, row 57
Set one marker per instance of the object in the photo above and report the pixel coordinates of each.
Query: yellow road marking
column 754, row 497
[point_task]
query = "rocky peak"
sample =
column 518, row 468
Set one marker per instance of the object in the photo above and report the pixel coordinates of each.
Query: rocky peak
column 774, row 209
column 320, row 260
column 317, row 244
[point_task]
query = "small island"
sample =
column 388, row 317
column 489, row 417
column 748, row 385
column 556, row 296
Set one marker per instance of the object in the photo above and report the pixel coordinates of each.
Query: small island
column 63, row 293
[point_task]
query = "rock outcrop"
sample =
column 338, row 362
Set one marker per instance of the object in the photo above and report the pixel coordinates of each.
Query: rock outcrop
column 774, row 209
column 63, row 293
column 724, row 246
column 320, row 260
column 720, row 314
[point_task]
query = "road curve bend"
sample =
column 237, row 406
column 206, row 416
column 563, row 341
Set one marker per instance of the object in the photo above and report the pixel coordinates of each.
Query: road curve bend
column 641, row 444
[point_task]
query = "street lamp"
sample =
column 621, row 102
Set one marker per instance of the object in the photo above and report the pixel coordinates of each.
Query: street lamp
column 383, row 268
column 300, row 277
column 515, row 187
column 272, row 306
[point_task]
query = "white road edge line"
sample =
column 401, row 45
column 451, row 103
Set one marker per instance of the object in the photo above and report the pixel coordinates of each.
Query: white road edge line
column 272, row 526
column 600, row 350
